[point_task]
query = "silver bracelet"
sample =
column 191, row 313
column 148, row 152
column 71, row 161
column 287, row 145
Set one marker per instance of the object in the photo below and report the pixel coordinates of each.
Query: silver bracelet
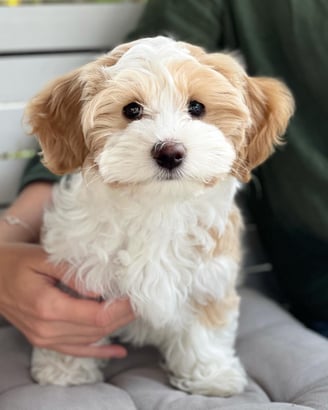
column 14, row 220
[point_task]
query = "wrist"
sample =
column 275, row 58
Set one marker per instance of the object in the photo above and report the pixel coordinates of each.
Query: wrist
column 14, row 229
column 22, row 221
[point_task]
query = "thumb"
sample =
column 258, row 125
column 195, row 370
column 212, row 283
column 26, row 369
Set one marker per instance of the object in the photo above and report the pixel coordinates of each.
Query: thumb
column 62, row 275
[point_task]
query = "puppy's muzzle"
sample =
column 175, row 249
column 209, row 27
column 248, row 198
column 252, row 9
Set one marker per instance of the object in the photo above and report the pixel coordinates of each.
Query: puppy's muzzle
column 169, row 155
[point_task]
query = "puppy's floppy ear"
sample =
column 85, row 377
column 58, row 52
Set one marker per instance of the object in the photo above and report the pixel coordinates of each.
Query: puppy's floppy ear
column 54, row 117
column 271, row 105
column 55, row 113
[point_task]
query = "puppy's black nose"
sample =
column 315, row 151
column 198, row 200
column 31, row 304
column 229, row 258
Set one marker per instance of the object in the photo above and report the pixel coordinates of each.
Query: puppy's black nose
column 169, row 154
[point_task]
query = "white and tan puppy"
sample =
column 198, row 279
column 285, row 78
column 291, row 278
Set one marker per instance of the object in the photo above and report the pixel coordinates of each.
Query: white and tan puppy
column 161, row 134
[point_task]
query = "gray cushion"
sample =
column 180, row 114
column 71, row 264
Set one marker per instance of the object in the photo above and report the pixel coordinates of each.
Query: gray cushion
column 287, row 366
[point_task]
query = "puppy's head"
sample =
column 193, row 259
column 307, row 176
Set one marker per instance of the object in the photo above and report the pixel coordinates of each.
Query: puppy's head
column 160, row 110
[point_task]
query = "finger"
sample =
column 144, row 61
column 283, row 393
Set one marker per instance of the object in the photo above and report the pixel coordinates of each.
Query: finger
column 101, row 352
column 58, row 330
column 62, row 307
column 44, row 335
column 61, row 331
column 57, row 305
column 40, row 259
column 44, row 323
column 61, row 272
column 59, row 341
column 76, row 289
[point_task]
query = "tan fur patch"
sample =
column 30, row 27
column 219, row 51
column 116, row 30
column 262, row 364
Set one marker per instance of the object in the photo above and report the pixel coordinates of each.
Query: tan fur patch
column 224, row 104
column 55, row 114
column 215, row 313
column 263, row 107
column 271, row 105
column 229, row 242
column 212, row 182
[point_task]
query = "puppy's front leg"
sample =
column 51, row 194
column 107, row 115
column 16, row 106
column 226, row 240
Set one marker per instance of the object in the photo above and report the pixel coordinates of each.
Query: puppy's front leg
column 50, row 367
column 201, row 358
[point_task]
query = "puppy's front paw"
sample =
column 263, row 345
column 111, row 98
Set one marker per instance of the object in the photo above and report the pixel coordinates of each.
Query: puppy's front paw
column 212, row 379
column 49, row 367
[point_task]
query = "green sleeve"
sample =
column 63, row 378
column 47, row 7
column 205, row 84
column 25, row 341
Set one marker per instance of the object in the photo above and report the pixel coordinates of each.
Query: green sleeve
column 36, row 171
column 194, row 21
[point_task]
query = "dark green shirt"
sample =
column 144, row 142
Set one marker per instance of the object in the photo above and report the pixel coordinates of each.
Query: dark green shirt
column 287, row 39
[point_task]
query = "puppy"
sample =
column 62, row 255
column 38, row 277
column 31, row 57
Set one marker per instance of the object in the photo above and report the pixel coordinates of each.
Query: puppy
column 160, row 135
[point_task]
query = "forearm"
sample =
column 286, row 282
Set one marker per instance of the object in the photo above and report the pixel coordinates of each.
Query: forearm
column 28, row 208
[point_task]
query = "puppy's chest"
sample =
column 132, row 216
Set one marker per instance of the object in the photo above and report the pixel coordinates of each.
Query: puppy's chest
column 154, row 249
column 159, row 238
column 126, row 247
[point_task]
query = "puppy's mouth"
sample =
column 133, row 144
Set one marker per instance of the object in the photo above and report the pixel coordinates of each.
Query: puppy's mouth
column 178, row 175
column 169, row 175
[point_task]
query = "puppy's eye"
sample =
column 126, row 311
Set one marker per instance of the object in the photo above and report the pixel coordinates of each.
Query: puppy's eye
column 133, row 111
column 196, row 109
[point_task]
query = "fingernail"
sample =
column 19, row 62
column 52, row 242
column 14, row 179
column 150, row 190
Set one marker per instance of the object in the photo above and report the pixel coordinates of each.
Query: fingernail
column 118, row 352
column 120, row 355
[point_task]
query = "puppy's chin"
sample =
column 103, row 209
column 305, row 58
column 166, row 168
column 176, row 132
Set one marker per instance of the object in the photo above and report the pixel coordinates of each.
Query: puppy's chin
column 166, row 186
column 176, row 175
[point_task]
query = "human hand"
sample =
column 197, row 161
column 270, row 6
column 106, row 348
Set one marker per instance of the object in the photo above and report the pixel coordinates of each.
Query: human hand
column 48, row 317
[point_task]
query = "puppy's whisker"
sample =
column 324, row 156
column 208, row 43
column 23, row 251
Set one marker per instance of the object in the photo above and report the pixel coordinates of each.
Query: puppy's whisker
column 91, row 181
column 90, row 175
